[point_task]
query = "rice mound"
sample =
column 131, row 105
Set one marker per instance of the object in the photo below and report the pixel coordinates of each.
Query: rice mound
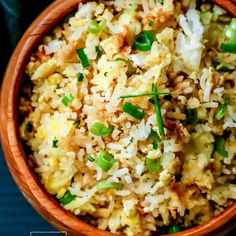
column 194, row 183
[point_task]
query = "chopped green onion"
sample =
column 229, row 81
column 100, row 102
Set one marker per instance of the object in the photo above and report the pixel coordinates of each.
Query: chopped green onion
column 105, row 160
column 67, row 99
column 174, row 229
column 131, row 140
column 80, row 77
column 91, row 159
column 98, row 51
column 29, row 127
column 105, row 185
column 232, row 24
column 133, row 110
column 151, row 23
column 154, row 135
column 158, row 111
column 143, row 95
column 228, row 47
column 230, row 34
column 128, row 63
column 220, row 146
column 76, row 122
column 94, row 27
column 153, row 165
column 55, row 143
column 132, row 8
column 100, row 129
column 105, row 74
column 222, row 110
column 154, row 145
column 160, row 1
column 83, row 57
column 167, row 97
column 67, row 198
column 191, row 116
column 221, row 68
column 144, row 41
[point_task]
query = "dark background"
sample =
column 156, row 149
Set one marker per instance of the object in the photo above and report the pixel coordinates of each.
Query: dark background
column 17, row 217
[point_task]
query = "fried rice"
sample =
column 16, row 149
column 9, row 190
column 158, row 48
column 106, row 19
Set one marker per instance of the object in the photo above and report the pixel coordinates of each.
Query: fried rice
column 136, row 175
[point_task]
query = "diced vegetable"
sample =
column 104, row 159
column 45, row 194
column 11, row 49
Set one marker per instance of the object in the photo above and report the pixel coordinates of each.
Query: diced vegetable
column 132, row 8
column 222, row 110
column 144, row 41
column 80, row 77
column 154, row 145
column 228, row 47
column 55, row 143
column 174, row 229
column 230, row 32
column 105, row 160
column 191, row 116
column 220, row 67
column 105, row 185
column 29, row 127
column 67, row 198
column 128, row 63
column 100, row 129
column 220, row 146
column 67, row 99
column 167, row 97
column 133, row 110
column 76, row 122
column 153, row 165
column 151, row 23
column 98, row 51
column 94, row 27
column 83, row 57
column 91, row 159
column 158, row 111
column 154, row 135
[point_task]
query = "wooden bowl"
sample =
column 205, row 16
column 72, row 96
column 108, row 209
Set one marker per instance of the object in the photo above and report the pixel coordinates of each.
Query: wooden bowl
column 15, row 155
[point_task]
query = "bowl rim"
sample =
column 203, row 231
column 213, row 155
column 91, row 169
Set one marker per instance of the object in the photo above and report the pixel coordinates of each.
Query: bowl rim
column 15, row 156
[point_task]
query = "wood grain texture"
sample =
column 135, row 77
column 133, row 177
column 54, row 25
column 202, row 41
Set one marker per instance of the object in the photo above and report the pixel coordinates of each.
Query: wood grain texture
column 15, row 155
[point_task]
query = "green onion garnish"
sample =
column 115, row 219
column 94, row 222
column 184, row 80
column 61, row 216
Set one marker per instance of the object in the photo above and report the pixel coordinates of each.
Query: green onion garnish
column 220, row 67
column 132, row 8
column 230, row 32
column 55, row 143
column 220, row 146
column 83, row 57
column 191, row 116
column 128, row 63
column 174, row 229
column 94, row 27
column 228, row 47
column 98, row 51
column 91, row 159
column 105, row 185
column 151, row 23
column 144, row 41
column 100, row 129
column 143, row 95
column 222, row 110
column 154, row 145
column 67, row 99
column 80, row 77
column 160, row 1
column 76, row 122
column 29, row 127
column 158, row 110
column 153, row 165
column 154, row 135
column 67, row 198
column 133, row 110
column 105, row 160
column 105, row 73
